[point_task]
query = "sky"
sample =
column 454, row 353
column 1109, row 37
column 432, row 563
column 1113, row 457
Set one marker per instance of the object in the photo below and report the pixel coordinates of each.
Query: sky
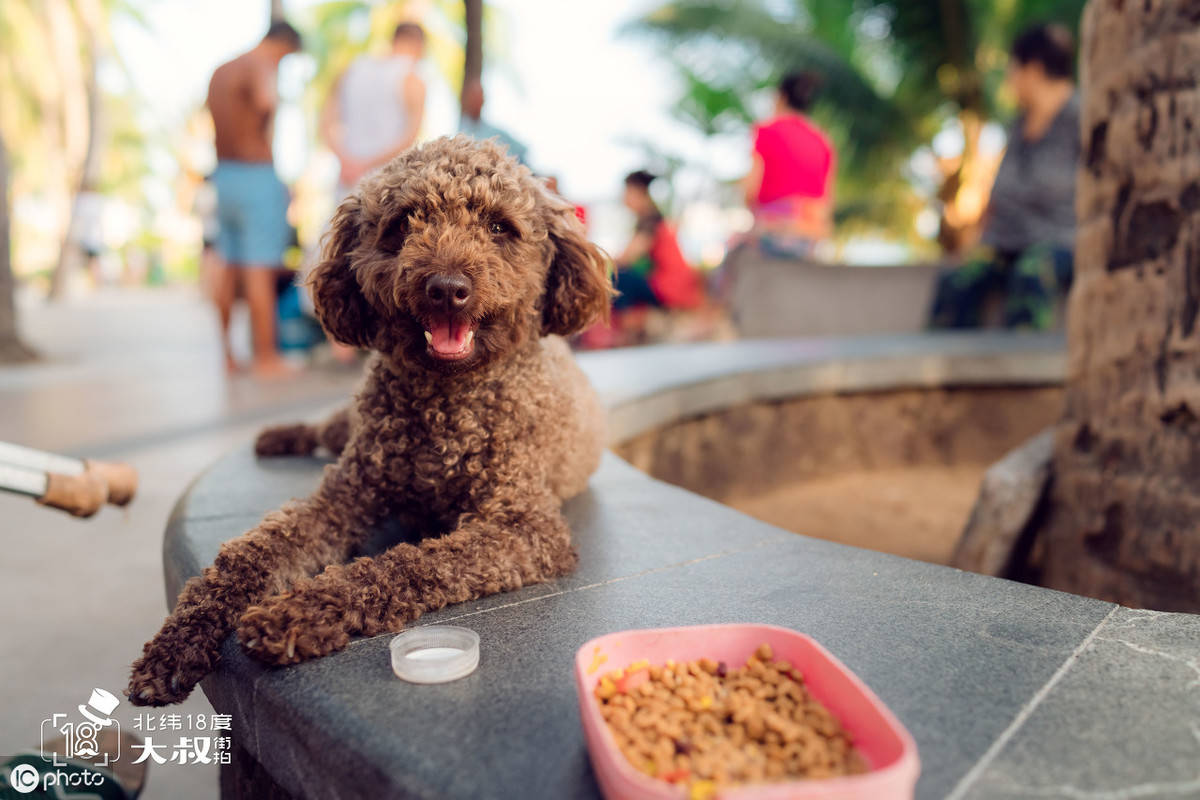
column 571, row 85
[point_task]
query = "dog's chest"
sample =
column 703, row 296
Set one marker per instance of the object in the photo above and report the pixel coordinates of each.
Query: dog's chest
column 453, row 442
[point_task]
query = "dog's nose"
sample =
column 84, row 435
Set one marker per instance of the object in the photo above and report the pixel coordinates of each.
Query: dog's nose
column 452, row 291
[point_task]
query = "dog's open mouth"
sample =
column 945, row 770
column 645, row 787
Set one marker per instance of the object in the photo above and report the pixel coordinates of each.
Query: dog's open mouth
column 449, row 338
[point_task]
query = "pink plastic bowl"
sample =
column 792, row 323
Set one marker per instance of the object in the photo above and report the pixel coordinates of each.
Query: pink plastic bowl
column 878, row 735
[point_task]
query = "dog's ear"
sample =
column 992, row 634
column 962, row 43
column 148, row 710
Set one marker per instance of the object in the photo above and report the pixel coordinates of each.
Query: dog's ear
column 579, row 290
column 337, row 295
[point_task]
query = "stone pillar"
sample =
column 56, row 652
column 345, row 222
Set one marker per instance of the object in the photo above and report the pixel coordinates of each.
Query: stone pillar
column 1125, row 514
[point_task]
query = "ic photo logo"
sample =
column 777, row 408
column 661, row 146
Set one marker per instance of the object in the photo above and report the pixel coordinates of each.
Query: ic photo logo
column 24, row 778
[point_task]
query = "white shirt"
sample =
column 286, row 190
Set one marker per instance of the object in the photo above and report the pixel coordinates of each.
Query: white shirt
column 372, row 109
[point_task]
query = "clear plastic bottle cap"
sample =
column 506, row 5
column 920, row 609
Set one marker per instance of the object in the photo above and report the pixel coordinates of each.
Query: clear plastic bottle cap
column 435, row 654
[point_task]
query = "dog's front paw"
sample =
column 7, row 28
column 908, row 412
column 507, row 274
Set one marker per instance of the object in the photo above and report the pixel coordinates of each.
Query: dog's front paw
column 172, row 663
column 289, row 628
column 286, row 440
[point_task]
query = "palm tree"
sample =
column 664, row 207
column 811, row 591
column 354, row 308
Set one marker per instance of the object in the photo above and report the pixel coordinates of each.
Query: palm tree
column 895, row 72
column 12, row 349
column 49, row 52
column 70, row 253
column 473, row 49
column 43, row 119
column 1124, row 519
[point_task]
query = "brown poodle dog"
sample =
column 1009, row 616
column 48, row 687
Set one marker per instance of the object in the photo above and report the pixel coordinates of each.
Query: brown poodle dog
column 456, row 266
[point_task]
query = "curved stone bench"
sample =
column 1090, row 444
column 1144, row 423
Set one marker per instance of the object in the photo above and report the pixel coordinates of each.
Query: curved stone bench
column 787, row 297
column 996, row 680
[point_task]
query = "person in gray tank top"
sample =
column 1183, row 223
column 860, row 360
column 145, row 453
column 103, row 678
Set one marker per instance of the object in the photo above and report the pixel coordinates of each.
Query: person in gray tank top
column 1029, row 231
column 373, row 113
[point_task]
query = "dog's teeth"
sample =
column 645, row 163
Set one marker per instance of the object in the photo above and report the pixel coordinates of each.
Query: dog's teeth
column 428, row 337
column 470, row 336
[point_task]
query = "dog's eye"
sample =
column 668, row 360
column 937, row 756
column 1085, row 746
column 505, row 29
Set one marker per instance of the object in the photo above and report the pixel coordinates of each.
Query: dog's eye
column 392, row 235
column 499, row 229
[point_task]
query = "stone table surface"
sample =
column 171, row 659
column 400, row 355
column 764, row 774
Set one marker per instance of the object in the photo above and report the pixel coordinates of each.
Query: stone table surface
column 1010, row 690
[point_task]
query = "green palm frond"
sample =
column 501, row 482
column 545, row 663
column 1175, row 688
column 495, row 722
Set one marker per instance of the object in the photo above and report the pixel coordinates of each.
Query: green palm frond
column 894, row 72
column 711, row 108
column 767, row 46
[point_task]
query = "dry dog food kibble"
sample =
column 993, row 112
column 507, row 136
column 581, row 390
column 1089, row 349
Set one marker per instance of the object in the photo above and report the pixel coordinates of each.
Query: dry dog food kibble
column 706, row 725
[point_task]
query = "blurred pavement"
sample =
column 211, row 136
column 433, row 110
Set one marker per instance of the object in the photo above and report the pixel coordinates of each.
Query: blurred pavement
column 132, row 375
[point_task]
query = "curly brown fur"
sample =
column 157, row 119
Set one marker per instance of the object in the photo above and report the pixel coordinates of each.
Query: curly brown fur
column 482, row 426
column 300, row 439
column 287, row 440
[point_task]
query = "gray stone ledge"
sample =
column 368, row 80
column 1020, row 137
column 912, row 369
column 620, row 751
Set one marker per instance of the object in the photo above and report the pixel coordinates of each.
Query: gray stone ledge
column 1010, row 690
column 645, row 388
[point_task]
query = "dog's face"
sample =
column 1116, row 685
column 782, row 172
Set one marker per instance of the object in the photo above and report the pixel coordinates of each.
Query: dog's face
column 454, row 256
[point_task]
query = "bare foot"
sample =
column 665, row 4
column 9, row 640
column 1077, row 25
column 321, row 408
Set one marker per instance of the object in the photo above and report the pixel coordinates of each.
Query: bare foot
column 273, row 368
column 231, row 365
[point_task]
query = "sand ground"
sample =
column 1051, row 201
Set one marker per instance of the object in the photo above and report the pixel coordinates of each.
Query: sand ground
column 917, row 512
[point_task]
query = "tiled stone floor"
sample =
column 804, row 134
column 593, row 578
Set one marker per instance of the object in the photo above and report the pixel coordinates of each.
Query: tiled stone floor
column 135, row 376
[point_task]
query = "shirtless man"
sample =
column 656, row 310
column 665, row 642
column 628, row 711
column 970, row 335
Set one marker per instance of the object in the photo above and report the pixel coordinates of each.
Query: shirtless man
column 251, row 200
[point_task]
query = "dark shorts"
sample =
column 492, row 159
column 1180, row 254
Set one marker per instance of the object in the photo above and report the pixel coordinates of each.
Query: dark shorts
column 633, row 283
column 1031, row 284
column 252, row 212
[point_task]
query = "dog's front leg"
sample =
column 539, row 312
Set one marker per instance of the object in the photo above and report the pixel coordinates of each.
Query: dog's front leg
column 485, row 555
column 302, row 439
column 295, row 541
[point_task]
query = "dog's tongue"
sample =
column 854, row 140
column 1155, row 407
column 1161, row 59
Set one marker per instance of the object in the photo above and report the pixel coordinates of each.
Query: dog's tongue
column 449, row 337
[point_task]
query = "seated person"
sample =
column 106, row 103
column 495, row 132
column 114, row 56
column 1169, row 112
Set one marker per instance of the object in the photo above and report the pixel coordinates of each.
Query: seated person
column 1029, row 231
column 652, row 271
column 789, row 187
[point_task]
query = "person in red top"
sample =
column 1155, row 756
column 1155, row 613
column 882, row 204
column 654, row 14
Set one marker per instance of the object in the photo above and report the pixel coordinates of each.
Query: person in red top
column 652, row 271
column 790, row 185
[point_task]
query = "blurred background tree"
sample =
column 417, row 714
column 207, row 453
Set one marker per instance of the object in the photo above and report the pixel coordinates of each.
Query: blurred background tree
column 895, row 73
column 473, row 46
column 12, row 349
column 52, row 53
column 1122, row 517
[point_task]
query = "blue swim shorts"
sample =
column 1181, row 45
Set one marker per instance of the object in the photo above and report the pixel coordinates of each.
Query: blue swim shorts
column 252, row 213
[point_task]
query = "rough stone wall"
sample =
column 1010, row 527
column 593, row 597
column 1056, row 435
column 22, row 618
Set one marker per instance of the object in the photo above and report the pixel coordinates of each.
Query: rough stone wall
column 749, row 450
column 1125, row 511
